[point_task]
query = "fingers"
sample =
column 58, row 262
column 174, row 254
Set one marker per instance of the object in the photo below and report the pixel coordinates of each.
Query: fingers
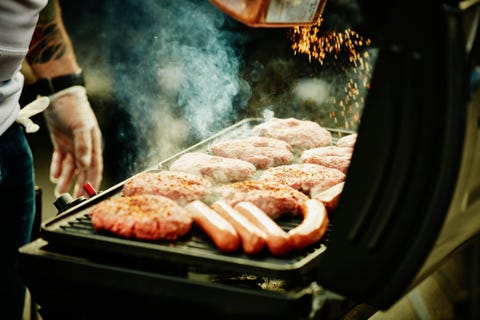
column 66, row 176
column 92, row 175
column 81, row 180
column 82, row 142
column 66, row 168
column 95, row 171
column 56, row 165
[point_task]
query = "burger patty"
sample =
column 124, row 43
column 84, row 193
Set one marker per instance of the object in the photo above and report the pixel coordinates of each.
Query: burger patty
column 273, row 198
column 347, row 141
column 219, row 169
column 305, row 177
column 179, row 186
column 329, row 156
column 146, row 217
column 299, row 134
column 262, row 152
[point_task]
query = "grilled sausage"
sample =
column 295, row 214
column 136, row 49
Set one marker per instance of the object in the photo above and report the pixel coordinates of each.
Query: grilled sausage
column 331, row 196
column 222, row 233
column 277, row 241
column 251, row 237
column 313, row 227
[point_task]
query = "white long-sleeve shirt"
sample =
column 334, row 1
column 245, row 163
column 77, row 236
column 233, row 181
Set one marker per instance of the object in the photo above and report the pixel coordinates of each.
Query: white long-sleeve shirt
column 17, row 23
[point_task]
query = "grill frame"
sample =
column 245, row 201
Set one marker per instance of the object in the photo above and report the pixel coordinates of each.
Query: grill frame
column 71, row 229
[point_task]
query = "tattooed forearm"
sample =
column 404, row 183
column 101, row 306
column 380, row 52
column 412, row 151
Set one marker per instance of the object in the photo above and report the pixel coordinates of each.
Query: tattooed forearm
column 48, row 42
column 51, row 51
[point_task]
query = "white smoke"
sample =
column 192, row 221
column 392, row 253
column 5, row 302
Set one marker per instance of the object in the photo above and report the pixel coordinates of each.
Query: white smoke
column 311, row 90
column 176, row 69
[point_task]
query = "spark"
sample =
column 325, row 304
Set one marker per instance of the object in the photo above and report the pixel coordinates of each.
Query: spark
column 346, row 50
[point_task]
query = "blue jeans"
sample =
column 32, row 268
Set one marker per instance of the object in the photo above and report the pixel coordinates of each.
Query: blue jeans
column 17, row 209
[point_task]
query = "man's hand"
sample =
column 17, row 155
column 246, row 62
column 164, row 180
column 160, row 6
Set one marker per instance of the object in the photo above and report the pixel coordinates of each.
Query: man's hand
column 76, row 139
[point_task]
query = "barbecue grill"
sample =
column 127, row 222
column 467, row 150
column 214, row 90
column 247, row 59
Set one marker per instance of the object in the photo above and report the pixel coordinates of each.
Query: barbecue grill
column 410, row 200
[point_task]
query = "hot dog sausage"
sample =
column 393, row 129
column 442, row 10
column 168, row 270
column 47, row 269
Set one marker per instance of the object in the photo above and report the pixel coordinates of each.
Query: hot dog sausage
column 277, row 240
column 251, row 237
column 312, row 228
column 330, row 196
column 222, row 233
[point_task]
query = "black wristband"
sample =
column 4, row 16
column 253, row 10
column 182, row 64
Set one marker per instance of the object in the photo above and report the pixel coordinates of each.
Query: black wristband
column 46, row 87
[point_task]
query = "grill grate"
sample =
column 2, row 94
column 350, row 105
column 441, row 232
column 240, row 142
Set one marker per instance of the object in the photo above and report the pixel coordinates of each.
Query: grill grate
column 73, row 229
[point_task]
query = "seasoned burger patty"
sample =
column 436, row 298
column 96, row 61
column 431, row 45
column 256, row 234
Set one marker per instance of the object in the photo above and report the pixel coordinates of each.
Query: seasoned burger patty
column 299, row 134
column 179, row 186
column 347, row 141
column 219, row 169
column 146, row 217
column 262, row 152
column 304, row 176
column 273, row 199
column 329, row 156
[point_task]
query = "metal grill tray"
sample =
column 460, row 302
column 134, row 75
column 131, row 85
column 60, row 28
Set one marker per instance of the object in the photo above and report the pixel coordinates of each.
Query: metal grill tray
column 73, row 229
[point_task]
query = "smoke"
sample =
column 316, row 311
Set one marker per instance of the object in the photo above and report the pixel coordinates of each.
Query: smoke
column 314, row 90
column 176, row 67
column 174, row 72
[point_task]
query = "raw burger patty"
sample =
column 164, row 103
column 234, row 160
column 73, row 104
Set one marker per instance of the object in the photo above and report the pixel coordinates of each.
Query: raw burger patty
column 219, row 169
column 347, row 141
column 262, row 152
column 330, row 156
column 299, row 134
column 179, row 186
column 146, row 217
column 273, row 199
column 304, row 177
